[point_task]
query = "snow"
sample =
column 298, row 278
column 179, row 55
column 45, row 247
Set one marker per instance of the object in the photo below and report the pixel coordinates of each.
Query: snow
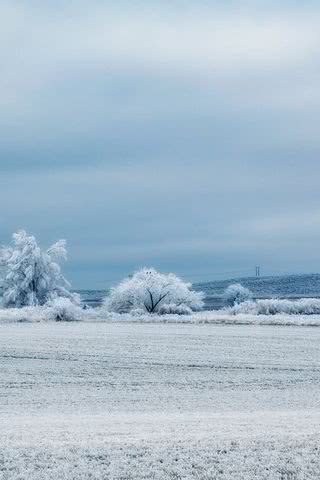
column 125, row 400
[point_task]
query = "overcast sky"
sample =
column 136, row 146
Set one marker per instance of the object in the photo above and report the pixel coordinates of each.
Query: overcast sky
column 175, row 134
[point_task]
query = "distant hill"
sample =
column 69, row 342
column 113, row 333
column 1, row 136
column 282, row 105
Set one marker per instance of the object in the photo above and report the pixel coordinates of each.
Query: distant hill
column 307, row 285
column 285, row 286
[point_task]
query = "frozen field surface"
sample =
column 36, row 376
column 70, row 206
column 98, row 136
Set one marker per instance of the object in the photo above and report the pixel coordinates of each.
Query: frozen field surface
column 159, row 401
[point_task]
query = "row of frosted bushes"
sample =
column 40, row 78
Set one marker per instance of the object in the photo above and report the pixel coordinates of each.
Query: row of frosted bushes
column 272, row 312
column 304, row 306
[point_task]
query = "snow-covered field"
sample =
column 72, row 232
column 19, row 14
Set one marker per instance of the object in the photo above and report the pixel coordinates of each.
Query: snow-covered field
column 163, row 401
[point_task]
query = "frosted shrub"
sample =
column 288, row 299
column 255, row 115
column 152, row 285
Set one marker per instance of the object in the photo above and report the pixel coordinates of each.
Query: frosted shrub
column 137, row 312
column 151, row 292
column 274, row 306
column 248, row 307
column 305, row 306
column 236, row 294
column 63, row 310
column 33, row 276
column 173, row 309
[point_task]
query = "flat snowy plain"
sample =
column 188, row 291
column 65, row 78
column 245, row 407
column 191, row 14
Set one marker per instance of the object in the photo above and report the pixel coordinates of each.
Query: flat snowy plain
column 163, row 401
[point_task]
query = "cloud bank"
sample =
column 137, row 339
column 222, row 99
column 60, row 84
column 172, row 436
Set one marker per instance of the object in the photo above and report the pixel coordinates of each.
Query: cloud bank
column 179, row 136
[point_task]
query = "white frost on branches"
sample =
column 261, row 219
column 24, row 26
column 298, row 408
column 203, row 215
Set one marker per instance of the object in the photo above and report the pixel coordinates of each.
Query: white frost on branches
column 236, row 294
column 32, row 276
column 148, row 291
column 274, row 306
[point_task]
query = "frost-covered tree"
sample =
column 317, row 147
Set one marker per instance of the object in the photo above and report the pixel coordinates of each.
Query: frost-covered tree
column 148, row 291
column 33, row 276
column 236, row 294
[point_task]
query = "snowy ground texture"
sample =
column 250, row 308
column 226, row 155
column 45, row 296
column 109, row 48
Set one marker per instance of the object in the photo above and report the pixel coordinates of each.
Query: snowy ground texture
column 127, row 400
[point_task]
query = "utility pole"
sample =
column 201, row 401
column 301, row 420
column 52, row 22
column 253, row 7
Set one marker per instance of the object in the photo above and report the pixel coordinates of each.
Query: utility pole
column 257, row 272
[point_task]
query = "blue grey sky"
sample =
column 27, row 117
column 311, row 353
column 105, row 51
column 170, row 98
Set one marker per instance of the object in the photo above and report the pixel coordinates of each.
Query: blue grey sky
column 180, row 135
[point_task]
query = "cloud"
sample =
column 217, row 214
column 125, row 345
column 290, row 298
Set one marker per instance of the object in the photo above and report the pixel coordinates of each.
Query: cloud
column 164, row 133
column 201, row 40
column 41, row 47
column 76, row 80
column 297, row 223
